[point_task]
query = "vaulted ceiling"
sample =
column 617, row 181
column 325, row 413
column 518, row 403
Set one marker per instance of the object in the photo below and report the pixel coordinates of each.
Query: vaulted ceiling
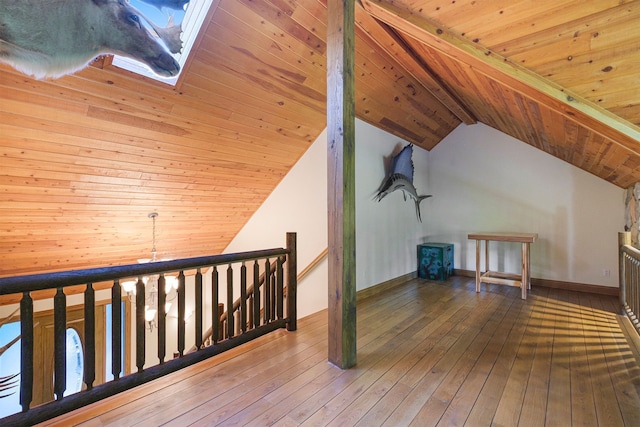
column 87, row 157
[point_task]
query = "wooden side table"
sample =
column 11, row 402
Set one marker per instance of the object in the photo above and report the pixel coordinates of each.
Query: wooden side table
column 523, row 280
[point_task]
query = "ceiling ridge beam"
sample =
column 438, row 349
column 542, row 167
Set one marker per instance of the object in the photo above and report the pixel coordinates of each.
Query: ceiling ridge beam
column 501, row 69
column 397, row 48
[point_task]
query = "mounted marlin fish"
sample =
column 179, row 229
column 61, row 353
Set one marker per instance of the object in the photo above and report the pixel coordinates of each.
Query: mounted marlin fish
column 401, row 178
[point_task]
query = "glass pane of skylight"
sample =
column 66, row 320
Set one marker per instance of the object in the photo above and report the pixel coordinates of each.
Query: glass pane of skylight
column 191, row 20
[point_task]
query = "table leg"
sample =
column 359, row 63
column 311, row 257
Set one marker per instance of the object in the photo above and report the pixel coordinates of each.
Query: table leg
column 486, row 256
column 524, row 283
column 477, row 265
column 528, row 247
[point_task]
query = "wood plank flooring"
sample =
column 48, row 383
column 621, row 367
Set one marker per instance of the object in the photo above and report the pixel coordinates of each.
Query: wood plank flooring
column 429, row 354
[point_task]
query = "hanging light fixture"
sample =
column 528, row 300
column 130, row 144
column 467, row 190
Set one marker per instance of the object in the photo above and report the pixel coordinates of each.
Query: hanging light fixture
column 151, row 284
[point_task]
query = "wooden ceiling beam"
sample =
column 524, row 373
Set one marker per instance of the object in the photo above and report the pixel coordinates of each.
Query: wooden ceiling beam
column 510, row 74
column 395, row 47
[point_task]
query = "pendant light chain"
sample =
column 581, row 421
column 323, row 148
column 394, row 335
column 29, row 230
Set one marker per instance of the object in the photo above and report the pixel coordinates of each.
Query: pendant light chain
column 153, row 216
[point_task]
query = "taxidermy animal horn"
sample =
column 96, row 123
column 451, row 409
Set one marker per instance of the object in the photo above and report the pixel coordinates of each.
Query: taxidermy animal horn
column 170, row 34
column 401, row 178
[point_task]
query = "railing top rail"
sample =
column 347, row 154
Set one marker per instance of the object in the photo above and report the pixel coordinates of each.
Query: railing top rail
column 631, row 251
column 36, row 282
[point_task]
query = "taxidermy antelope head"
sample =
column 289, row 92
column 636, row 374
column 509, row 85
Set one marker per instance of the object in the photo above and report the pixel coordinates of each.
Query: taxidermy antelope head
column 52, row 38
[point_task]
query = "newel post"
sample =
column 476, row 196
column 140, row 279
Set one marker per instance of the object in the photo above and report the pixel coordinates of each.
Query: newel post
column 292, row 282
column 624, row 238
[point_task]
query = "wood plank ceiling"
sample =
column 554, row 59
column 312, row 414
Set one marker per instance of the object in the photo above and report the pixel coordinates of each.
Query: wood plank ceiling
column 87, row 157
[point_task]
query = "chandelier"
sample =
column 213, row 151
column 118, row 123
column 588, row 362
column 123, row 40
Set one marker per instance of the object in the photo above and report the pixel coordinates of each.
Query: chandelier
column 151, row 285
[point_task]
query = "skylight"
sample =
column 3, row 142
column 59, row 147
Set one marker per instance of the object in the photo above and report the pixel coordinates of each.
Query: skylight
column 191, row 20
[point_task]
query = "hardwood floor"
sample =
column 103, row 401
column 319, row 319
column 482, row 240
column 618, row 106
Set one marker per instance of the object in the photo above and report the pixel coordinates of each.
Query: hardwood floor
column 429, row 354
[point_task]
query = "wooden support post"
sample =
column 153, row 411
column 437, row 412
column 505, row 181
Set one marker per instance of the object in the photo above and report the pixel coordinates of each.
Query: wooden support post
column 341, row 182
column 292, row 282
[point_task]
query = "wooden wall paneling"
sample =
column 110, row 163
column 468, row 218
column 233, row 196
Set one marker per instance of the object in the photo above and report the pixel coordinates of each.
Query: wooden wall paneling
column 405, row 105
column 396, row 47
column 526, row 122
column 586, row 50
column 278, row 17
column 616, row 165
column 552, row 132
column 508, row 74
column 257, row 109
column 571, row 149
column 594, row 143
column 591, row 36
column 74, row 92
column 517, row 133
column 496, row 22
column 623, row 107
column 410, row 96
column 579, row 146
column 316, row 9
column 283, row 62
column 534, row 115
column 279, row 38
column 274, row 84
column 16, row 93
column 273, row 102
column 270, row 129
column 427, row 125
column 116, row 88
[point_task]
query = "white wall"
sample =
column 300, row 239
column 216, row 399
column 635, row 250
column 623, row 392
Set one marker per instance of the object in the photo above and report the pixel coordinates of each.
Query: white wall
column 481, row 180
column 298, row 204
column 484, row 180
column 387, row 232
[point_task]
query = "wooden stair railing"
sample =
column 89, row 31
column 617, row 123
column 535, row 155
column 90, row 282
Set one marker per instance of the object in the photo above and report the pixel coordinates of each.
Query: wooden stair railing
column 629, row 264
column 236, row 309
column 284, row 269
column 313, row 264
column 250, row 298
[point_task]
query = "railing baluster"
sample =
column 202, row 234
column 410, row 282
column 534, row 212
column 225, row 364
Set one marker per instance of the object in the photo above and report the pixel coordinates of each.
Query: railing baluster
column 60, row 343
column 243, row 298
column 140, row 324
column 274, row 295
column 250, row 312
column 116, row 328
column 181, row 313
column 279, row 289
column 634, row 294
column 162, row 319
column 26, row 351
column 89, row 336
column 230, row 323
column 198, row 297
column 215, row 313
column 267, row 292
column 256, row 294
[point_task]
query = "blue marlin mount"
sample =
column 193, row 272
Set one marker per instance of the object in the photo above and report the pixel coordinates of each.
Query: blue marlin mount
column 401, row 178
